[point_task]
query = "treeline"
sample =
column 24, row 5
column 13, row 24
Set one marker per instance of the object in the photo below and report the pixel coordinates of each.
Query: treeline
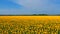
column 33, row 15
column 41, row 14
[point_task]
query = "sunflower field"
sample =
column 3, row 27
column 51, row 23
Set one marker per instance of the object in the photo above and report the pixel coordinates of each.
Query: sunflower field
column 29, row 24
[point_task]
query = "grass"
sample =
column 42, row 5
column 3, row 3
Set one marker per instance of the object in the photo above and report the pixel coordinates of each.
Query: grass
column 29, row 24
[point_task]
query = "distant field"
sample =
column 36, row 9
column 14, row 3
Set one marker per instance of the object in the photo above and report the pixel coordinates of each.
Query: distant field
column 29, row 24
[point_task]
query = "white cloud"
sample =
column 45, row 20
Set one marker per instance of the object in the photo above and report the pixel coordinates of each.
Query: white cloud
column 32, row 3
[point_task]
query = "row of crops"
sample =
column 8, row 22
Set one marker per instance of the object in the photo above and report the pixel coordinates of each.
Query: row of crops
column 29, row 26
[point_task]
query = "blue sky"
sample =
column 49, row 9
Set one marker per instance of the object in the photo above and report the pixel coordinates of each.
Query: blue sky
column 29, row 6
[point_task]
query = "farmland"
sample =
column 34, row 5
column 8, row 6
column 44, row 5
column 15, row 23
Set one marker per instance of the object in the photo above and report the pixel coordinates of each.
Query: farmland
column 29, row 24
